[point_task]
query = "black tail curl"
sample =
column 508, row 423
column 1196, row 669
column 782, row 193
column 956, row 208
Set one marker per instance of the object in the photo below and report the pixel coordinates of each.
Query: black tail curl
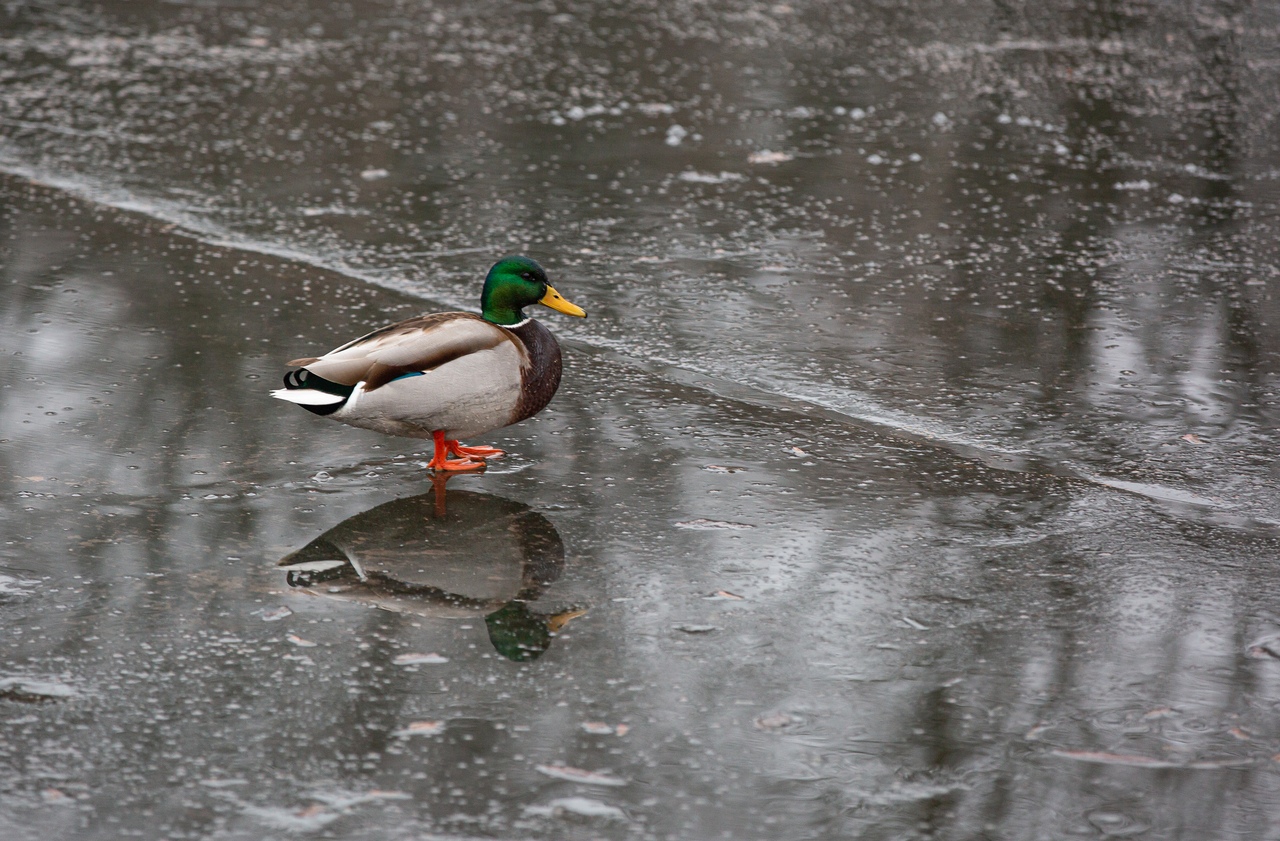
column 302, row 378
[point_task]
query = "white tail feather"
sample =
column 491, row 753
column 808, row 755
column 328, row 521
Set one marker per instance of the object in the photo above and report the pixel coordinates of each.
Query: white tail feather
column 307, row 396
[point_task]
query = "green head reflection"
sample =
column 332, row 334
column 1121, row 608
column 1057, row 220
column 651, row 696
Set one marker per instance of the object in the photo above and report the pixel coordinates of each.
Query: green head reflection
column 517, row 633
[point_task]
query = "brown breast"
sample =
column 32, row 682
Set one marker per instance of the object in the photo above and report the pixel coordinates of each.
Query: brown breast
column 541, row 377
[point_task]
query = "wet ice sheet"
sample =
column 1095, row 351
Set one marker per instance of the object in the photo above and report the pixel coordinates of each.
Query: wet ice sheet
column 1046, row 234
column 916, row 642
column 941, row 339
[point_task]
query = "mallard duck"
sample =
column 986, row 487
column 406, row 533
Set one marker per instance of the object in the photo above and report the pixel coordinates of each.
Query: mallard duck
column 444, row 376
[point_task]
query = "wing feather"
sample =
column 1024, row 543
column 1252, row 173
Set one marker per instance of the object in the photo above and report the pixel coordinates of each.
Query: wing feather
column 418, row 344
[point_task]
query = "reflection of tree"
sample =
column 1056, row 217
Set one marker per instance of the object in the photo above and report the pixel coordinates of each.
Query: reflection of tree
column 1107, row 324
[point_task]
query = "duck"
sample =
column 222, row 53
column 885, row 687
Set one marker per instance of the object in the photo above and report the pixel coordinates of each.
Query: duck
column 445, row 376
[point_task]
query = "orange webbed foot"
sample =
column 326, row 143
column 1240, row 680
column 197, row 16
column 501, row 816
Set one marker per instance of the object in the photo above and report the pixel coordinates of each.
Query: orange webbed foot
column 457, row 464
column 457, row 449
column 441, row 461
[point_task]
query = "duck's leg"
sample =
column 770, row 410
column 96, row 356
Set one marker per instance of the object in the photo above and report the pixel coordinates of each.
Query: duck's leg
column 456, row 449
column 441, row 461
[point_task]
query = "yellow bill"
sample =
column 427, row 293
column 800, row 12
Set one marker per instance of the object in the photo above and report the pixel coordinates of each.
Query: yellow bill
column 557, row 302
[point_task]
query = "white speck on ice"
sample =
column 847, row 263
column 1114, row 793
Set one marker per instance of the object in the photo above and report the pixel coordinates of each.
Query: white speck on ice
column 415, row 659
column 578, row 775
column 421, row 728
column 695, row 177
column 655, row 109
column 703, row 524
column 582, row 806
column 764, row 156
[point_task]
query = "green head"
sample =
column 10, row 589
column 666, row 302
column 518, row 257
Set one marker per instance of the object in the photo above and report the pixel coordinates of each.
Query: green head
column 515, row 283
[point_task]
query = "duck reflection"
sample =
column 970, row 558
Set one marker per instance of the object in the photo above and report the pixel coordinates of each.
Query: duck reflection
column 477, row 555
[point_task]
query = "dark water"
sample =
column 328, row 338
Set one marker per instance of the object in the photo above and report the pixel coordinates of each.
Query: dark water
column 913, row 477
